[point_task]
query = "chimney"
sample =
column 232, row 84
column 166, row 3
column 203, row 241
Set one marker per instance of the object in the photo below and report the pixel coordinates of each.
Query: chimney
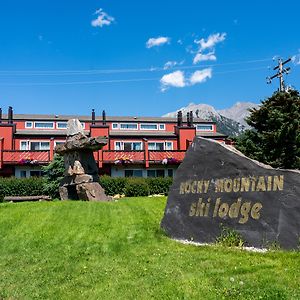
column 0, row 115
column 93, row 117
column 103, row 117
column 179, row 118
column 191, row 119
column 10, row 115
column 188, row 121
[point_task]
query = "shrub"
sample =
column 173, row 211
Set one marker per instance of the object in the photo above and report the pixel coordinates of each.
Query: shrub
column 21, row 187
column 113, row 185
column 136, row 187
column 54, row 173
column 159, row 185
column 230, row 238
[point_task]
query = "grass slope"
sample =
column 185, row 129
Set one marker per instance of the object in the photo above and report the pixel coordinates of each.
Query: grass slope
column 85, row 250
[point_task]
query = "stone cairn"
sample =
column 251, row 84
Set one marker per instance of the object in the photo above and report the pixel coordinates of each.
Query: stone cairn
column 81, row 179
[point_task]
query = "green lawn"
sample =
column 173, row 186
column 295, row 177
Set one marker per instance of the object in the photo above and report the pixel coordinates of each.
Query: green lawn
column 86, row 250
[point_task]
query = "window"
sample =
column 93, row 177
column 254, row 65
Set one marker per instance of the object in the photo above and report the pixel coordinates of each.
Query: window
column 156, row 173
column 162, row 127
column 128, row 126
column 23, row 174
column 35, row 173
column 170, row 172
column 115, row 125
column 39, row 146
column 133, row 173
column 128, row 146
column 204, row 127
column 58, row 142
column 61, row 125
column 168, row 146
column 28, row 124
column 24, row 145
column 156, row 146
column 148, row 126
column 45, row 125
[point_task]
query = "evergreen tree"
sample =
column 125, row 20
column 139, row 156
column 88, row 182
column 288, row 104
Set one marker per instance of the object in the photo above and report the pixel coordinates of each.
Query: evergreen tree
column 275, row 138
column 54, row 173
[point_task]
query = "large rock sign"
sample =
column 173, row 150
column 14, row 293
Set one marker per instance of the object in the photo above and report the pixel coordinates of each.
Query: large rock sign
column 217, row 186
column 81, row 179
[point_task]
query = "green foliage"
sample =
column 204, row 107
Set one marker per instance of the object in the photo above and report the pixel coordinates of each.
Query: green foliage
column 113, row 185
column 136, row 187
column 275, row 138
column 53, row 175
column 229, row 238
column 131, row 186
column 21, row 187
column 159, row 185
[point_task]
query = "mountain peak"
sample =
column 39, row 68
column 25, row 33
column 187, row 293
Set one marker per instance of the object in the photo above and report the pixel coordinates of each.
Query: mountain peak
column 230, row 121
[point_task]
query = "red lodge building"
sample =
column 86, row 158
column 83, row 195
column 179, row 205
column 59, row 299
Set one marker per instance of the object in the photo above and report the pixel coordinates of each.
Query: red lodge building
column 137, row 146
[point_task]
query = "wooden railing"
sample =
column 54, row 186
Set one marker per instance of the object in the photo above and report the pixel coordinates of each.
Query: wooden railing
column 20, row 157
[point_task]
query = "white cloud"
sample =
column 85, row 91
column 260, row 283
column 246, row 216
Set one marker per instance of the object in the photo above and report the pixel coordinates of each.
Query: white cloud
column 204, row 57
column 102, row 19
column 159, row 41
column 296, row 59
column 171, row 64
column 175, row 79
column 211, row 41
column 200, row 76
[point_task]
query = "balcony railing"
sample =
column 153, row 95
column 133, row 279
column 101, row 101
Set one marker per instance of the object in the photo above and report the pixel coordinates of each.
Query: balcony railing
column 19, row 157
column 25, row 157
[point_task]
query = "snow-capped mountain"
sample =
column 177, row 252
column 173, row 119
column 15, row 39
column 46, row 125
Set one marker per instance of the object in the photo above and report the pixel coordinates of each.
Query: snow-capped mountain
column 238, row 112
column 229, row 121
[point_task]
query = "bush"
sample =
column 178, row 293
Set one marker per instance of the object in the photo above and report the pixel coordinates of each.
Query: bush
column 21, row 187
column 159, row 185
column 136, row 187
column 113, row 185
column 54, row 173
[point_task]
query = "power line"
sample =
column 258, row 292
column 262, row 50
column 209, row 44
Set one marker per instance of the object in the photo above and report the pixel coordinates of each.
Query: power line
column 114, row 71
column 115, row 80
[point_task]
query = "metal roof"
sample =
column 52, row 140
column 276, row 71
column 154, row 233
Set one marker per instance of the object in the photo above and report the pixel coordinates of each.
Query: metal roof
column 21, row 117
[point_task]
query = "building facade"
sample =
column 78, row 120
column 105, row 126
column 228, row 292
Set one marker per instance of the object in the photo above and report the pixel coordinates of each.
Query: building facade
column 137, row 146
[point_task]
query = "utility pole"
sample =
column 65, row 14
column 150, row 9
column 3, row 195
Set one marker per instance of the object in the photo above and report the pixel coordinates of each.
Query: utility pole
column 280, row 73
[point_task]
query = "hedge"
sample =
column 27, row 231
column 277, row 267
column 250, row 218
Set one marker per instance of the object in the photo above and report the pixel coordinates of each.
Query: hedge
column 21, row 187
column 130, row 186
column 135, row 186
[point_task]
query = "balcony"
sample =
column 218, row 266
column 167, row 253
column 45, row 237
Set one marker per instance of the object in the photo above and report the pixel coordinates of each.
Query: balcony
column 19, row 157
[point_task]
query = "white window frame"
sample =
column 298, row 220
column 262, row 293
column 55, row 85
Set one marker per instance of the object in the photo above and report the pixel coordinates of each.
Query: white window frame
column 137, row 127
column 164, row 145
column 211, row 125
column 112, row 126
column 58, row 142
column 122, row 145
column 28, row 144
column 61, row 122
column 44, row 122
column 26, row 126
column 164, row 126
column 148, row 128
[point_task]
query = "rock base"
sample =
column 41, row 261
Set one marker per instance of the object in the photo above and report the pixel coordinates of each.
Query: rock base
column 84, row 191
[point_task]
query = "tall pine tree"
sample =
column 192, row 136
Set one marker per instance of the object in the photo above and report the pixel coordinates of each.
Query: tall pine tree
column 275, row 138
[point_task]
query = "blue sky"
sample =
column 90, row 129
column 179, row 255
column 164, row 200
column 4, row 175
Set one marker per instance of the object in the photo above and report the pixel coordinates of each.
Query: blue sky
column 142, row 57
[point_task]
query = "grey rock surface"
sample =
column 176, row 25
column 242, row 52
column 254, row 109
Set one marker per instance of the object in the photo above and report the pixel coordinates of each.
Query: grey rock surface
column 217, row 187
